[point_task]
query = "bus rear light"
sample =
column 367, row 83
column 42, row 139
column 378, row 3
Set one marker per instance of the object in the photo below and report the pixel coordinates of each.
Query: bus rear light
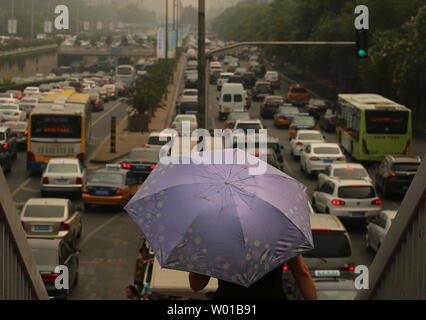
column 338, row 203
column 364, row 147
column 45, row 180
column 26, row 133
column 407, row 148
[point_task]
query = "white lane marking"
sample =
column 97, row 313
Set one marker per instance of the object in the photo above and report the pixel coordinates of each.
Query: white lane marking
column 106, row 113
column 21, row 186
column 96, row 230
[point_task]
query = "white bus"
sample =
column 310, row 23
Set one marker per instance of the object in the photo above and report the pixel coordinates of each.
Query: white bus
column 126, row 74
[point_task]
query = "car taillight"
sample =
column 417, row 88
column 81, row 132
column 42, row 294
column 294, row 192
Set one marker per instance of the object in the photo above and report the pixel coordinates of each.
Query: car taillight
column 6, row 145
column 79, row 181
column 332, row 120
column 45, row 180
column 314, row 128
column 341, row 159
column 314, row 159
column 286, row 268
column 173, row 126
column 65, row 226
column 364, row 147
column 16, row 113
column 153, row 167
column 85, row 189
column 126, row 165
column 299, row 143
column 80, row 157
column 32, row 107
column 49, row 277
column 347, row 267
column 97, row 101
column 113, row 91
column 291, row 127
column 407, row 147
column 119, row 191
column 376, row 202
column 391, row 174
column 338, row 203
column 30, row 156
column 146, row 147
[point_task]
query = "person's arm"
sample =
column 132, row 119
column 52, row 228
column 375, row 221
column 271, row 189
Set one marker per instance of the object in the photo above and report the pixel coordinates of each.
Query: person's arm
column 303, row 277
column 198, row 281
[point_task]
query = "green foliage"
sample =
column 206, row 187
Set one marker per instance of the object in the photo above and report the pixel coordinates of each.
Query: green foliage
column 397, row 41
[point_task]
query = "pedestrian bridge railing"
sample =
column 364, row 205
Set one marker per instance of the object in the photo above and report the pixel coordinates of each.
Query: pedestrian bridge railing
column 19, row 275
column 399, row 268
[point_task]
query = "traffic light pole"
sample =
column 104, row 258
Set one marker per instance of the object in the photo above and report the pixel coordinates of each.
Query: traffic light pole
column 201, row 63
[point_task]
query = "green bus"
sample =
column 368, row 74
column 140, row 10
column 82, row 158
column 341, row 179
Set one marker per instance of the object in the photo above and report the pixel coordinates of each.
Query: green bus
column 369, row 126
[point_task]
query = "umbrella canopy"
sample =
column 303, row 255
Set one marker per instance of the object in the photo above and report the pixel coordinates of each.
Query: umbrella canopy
column 220, row 221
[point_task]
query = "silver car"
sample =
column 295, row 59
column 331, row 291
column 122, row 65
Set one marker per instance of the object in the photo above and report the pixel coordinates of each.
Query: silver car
column 52, row 218
column 112, row 91
column 63, row 175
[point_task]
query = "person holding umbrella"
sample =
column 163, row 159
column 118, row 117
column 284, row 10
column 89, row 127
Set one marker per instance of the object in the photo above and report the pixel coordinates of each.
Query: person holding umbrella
column 268, row 287
column 222, row 219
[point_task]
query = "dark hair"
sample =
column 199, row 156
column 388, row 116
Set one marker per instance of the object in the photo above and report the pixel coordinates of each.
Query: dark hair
column 133, row 290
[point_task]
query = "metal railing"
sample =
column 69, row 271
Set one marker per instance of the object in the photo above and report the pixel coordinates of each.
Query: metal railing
column 19, row 275
column 399, row 268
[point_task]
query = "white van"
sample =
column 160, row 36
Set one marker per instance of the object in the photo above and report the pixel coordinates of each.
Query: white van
column 232, row 99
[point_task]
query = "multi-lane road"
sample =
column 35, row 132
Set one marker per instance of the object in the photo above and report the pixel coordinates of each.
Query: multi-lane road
column 361, row 256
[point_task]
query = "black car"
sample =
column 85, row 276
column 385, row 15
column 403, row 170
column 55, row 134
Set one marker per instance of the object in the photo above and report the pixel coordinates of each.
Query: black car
column 50, row 253
column 141, row 161
column 260, row 90
column 189, row 106
column 8, row 141
column 395, row 174
column 20, row 131
column 191, row 81
column 5, row 160
column 235, row 79
column 270, row 106
column 316, row 107
column 259, row 71
column 249, row 80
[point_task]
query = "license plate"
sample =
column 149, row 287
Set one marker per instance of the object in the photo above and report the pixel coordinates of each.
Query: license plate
column 327, row 273
column 7, row 113
column 42, row 228
column 191, row 112
column 328, row 161
column 358, row 214
column 101, row 193
column 61, row 180
column 140, row 167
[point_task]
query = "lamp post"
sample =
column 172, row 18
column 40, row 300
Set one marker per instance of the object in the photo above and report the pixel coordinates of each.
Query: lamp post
column 167, row 40
column 201, row 62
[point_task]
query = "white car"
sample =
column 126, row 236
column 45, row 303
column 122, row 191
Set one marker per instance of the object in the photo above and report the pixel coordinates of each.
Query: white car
column 223, row 78
column 189, row 93
column 63, row 175
column 189, row 119
column 303, row 139
column 51, row 218
column 31, row 91
column 158, row 139
column 27, row 104
column 347, row 198
column 354, row 171
column 248, row 125
column 12, row 112
column 377, row 228
column 317, row 157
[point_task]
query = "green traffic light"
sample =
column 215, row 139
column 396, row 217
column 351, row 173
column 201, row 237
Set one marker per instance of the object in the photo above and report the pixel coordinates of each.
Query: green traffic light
column 362, row 53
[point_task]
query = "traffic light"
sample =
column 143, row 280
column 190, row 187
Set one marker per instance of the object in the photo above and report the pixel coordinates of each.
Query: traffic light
column 362, row 43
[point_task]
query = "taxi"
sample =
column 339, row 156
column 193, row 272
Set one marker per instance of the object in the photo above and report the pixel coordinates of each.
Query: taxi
column 110, row 186
column 284, row 115
column 297, row 94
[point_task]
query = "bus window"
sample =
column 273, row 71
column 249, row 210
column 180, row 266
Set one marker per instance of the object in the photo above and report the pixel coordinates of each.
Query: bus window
column 57, row 126
column 386, row 122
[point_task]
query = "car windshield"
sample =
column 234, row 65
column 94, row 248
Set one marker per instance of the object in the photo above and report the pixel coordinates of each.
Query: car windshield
column 144, row 155
column 408, row 167
column 310, row 136
column 190, row 93
column 326, row 150
column 356, row 192
column 45, row 257
column 289, row 110
column 8, row 107
column 239, row 116
column 158, row 141
column 107, row 177
column 44, row 211
column 62, row 168
column 304, row 121
column 386, row 122
column 263, row 86
column 274, row 100
column 350, row 173
column 298, row 90
column 336, row 294
column 247, row 126
column 329, row 244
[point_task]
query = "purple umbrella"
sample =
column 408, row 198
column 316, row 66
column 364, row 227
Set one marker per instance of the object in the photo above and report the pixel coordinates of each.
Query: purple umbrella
column 220, row 221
